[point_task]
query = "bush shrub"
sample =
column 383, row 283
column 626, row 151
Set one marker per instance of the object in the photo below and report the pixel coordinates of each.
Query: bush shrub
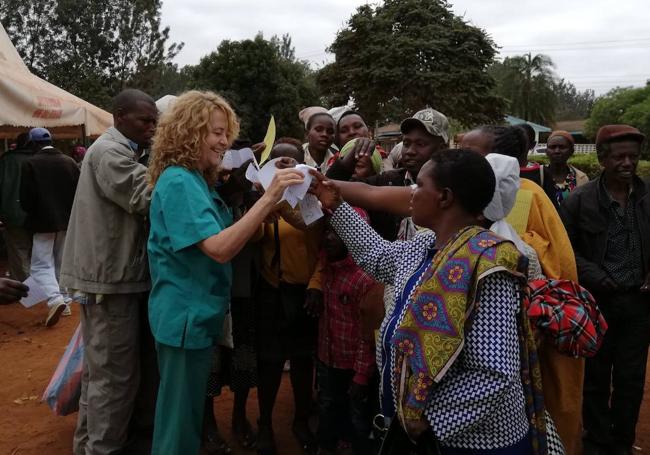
column 588, row 163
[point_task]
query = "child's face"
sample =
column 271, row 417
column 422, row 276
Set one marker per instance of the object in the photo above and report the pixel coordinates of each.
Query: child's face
column 363, row 169
column 287, row 150
column 333, row 245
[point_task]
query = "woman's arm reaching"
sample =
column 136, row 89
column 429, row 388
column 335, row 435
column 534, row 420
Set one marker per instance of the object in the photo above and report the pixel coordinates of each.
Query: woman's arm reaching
column 390, row 199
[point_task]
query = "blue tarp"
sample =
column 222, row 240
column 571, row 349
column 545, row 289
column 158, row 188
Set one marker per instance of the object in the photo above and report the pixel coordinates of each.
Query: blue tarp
column 511, row 120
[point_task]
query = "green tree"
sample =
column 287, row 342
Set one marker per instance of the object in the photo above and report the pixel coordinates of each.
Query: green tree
column 573, row 104
column 259, row 77
column 168, row 79
column 404, row 55
column 95, row 48
column 630, row 106
column 527, row 82
column 28, row 25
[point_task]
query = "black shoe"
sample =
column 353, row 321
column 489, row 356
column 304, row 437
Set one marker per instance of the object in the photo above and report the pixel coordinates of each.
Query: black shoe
column 304, row 436
column 216, row 445
column 265, row 440
column 621, row 449
column 590, row 447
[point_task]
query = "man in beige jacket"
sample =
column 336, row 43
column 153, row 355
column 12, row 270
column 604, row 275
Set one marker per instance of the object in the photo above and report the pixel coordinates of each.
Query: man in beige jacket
column 105, row 264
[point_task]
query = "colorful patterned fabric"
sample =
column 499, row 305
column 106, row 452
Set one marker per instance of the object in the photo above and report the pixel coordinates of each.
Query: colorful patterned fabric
column 531, row 378
column 562, row 190
column 483, row 388
column 568, row 315
column 431, row 334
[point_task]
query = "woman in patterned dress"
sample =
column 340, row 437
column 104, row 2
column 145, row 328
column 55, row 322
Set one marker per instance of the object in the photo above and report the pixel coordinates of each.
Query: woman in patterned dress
column 457, row 357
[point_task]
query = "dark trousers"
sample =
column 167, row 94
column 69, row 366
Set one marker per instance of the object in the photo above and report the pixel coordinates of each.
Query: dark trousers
column 619, row 367
column 340, row 415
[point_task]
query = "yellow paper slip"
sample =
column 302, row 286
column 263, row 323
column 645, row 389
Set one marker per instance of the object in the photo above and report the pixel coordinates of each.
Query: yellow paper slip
column 269, row 139
column 518, row 216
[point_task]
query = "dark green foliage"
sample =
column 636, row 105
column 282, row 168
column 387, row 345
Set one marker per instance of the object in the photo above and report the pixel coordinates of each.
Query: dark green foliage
column 573, row 104
column 399, row 57
column 93, row 49
column 630, row 106
column 527, row 82
column 588, row 163
column 259, row 77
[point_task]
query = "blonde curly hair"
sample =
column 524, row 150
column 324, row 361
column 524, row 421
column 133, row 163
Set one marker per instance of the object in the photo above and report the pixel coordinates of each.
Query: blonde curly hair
column 181, row 130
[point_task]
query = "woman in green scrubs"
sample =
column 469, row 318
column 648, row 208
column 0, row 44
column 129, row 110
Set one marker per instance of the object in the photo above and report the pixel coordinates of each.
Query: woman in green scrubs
column 191, row 243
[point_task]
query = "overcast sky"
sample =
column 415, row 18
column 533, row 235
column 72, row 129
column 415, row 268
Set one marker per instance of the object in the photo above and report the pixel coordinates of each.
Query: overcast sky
column 595, row 44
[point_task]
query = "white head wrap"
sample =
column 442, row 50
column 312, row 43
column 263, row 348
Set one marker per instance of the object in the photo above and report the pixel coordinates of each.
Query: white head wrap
column 164, row 103
column 506, row 171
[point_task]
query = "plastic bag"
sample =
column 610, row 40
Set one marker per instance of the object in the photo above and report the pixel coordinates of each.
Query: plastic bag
column 63, row 392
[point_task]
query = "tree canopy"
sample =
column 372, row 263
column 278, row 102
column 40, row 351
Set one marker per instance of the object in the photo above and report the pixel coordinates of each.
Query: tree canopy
column 259, row 77
column 573, row 104
column 397, row 58
column 92, row 49
column 630, row 106
column 527, row 82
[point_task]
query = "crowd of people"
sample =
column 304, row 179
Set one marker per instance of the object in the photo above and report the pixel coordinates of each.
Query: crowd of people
column 452, row 300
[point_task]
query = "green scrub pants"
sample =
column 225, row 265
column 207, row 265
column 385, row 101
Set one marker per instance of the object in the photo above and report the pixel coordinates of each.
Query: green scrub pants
column 181, row 397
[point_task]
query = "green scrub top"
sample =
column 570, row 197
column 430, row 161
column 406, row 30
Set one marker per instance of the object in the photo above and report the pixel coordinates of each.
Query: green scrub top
column 190, row 292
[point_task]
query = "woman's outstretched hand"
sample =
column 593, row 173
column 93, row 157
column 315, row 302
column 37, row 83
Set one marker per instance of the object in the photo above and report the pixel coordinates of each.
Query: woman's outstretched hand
column 281, row 180
column 326, row 190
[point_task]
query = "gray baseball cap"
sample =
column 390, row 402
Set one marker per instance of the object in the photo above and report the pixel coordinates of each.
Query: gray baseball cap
column 434, row 122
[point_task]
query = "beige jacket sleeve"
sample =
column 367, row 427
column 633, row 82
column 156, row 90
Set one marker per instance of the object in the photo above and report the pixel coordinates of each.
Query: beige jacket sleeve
column 123, row 181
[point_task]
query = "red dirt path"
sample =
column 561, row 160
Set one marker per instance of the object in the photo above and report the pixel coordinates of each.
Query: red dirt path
column 29, row 354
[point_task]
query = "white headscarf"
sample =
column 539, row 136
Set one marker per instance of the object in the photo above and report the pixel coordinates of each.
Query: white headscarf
column 506, row 171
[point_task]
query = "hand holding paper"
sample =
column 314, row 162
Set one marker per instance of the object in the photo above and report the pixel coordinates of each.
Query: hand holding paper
column 36, row 293
column 12, row 290
column 294, row 194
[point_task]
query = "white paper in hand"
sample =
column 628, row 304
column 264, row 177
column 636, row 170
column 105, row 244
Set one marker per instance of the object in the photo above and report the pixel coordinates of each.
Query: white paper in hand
column 228, row 161
column 296, row 193
column 310, row 209
column 234, row 159
column 252, row 173
column 35, row 295
column 267, row 172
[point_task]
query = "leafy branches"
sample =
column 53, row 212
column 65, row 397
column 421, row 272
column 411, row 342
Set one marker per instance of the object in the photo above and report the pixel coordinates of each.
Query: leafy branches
column 92, row 49
column 259, row 77
column 395, row 59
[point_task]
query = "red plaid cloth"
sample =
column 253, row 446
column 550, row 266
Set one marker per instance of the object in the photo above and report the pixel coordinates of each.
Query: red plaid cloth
column 567, row 314
column 340, row 344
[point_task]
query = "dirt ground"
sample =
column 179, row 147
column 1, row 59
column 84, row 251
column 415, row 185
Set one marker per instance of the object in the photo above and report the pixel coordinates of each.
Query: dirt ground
column 29, row 354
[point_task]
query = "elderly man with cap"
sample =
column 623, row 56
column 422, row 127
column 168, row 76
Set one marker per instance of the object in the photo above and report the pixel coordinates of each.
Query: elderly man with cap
column 566, row 178
column 423, row 134
column 47, row 187
column 608, row 222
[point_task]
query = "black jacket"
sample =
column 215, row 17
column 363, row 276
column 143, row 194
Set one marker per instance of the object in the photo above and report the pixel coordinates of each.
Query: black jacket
column 585, row 214
column 386, row 224
column 47, row 187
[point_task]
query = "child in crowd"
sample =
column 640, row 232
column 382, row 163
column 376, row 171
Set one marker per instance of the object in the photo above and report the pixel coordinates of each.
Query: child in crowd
column 346, row 362
column 285, row 329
